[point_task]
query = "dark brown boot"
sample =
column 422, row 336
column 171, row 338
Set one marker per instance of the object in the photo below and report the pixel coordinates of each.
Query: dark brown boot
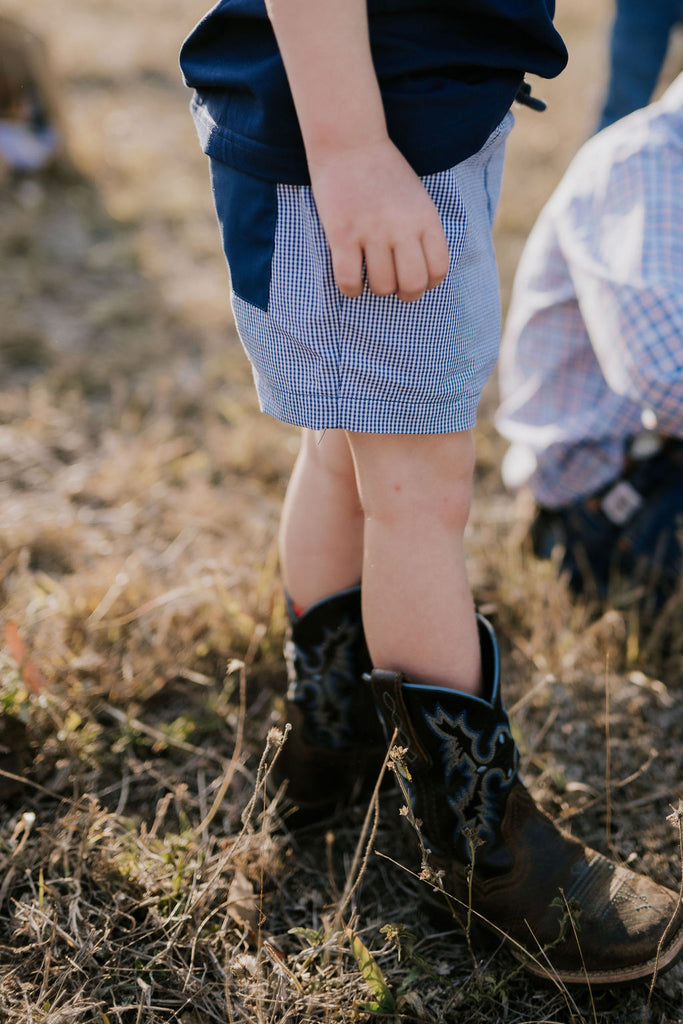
column 336, row 746
column 530, row 881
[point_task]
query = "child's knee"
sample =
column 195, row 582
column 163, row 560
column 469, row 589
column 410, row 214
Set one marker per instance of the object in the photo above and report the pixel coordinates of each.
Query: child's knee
column 419, row 478
column 328, row 452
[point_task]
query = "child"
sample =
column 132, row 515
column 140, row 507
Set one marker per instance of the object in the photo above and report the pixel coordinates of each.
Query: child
column 356, row 152
column 591, row 379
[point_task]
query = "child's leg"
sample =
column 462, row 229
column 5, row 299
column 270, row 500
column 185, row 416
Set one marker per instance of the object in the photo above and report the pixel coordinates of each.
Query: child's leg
column 336, row 746
column 321, row 531
column 418, row 611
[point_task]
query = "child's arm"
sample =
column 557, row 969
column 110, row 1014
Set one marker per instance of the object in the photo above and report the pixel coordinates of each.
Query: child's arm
column 371, row 203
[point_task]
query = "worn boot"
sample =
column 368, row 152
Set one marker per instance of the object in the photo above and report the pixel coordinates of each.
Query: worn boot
column 336, row 747
column 582, row 917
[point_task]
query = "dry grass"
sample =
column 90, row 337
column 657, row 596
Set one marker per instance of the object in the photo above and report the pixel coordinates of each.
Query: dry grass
column 144, row 875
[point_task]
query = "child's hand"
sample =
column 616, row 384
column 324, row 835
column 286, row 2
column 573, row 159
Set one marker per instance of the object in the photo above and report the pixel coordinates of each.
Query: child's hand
column 372, row 205
column 374, row 208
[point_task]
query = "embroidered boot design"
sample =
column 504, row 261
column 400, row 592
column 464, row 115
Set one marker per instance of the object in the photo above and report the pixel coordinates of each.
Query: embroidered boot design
column 479, row 769
column 324, row 670
column 335, row 748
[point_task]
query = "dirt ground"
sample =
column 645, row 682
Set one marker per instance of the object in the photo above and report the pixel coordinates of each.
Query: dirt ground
column 144, row 875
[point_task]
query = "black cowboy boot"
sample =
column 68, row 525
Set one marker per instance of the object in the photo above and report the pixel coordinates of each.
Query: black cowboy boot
column 336, row 746
column 529, row 881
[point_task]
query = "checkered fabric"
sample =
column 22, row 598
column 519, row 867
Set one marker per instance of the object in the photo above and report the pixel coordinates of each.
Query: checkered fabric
column 376, row 364
column 592, row 352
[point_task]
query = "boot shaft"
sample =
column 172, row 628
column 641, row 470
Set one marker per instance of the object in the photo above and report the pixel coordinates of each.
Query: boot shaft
column 461, row 757
column 335, row 748
column 327, row 656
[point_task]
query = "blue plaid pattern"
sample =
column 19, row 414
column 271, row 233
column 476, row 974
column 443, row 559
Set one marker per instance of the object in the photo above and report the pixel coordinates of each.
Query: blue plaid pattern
column 592, row 351
column 375, row 364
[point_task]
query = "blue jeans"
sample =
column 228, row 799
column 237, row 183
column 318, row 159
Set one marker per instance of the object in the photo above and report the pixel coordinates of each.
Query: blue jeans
column 638, row 45
column 643, row 554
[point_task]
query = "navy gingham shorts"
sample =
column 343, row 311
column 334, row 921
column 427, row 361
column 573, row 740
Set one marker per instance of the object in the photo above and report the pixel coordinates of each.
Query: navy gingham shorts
column 372, row 364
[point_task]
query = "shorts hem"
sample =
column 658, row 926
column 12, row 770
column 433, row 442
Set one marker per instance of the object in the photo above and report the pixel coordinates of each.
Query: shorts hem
column 313, row 411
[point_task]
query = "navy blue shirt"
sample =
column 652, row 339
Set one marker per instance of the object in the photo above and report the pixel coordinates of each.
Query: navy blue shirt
column 448, row 71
